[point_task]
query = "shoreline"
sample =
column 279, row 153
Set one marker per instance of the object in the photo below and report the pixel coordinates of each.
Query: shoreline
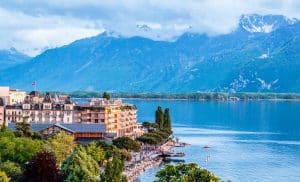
column 213, row 100
column 133, row 170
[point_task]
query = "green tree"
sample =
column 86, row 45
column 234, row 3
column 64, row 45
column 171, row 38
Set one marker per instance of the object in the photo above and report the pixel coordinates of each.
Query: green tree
column 159, row 117
column 106, row 95
column 3, row 177
column 80, row 166
column 12, row 169
column 113, row 170
column 42, row 167
column 62, row 145
column 96, row 152
column 185, row 173
column 167, row 119
column 23, row 129
column 19, row 149
column 127, row 143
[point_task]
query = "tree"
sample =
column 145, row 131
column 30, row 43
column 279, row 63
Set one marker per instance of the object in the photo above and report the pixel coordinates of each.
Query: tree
column 42, row 167
column 62, row 145
column 12, row 169
column 3, row 177
column 167, row 119
column 159, row 117
column 96, row 152
column 185, row 173
column 106, row 95
column 113, row 171
column 19, row 149
column 80, row 166
column 23, row 129
column 127, row 143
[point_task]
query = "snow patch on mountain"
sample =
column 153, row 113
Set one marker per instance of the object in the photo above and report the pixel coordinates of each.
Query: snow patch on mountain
column 239, row 83
column 265, row 85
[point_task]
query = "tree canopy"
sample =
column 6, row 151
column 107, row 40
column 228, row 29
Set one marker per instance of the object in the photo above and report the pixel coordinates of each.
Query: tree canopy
column 23, row 129
column 80, row 166
column 42, row 167
column 12, row 169
column 185, row 173
column 113, row 170
column 62, row 145
column 127, row 143
column 106, row 95
column 159, row 117
column 3, row 177
column 19, row 149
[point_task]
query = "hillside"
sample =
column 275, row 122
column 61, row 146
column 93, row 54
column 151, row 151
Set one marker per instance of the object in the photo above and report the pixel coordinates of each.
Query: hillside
column 261, row 55
column 11, row 58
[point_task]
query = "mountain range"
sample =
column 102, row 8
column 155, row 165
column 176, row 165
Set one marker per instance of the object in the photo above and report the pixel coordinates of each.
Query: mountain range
column 261, row 55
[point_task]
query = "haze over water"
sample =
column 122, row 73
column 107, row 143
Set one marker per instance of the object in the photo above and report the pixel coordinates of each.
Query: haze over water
column 249, row 141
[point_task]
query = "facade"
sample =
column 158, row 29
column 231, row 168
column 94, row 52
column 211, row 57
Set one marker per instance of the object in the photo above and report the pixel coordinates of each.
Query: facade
column 11, row 96
column 37, row 109
column 1, row 112
column 119, row 118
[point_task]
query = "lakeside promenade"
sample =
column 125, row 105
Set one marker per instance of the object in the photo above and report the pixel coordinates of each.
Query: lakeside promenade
column 148, row 157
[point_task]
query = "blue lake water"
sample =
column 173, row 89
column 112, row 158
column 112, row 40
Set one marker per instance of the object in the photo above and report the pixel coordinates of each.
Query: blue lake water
column 249, row 141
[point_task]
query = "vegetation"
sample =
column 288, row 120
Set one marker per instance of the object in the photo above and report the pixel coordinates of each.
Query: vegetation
column 159, row 131
column 18, row 149
column 167, row 120
column 80, row 166
column 12, row 169
column 62, row 145
column 24, row 157
column 127, row 143
column 159, row 117
column 106, row 95
column 42, row 167
column 185, row 173
column 113, row 170
column 23, row 129
column 3, row 177
column 193, row 96
column 97, row 153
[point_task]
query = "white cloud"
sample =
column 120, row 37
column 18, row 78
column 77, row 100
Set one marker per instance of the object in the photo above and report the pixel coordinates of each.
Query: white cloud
column 32, row 34
column 58, row 22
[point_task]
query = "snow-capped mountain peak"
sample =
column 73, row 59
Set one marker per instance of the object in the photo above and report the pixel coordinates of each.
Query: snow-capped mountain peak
column 264, row 24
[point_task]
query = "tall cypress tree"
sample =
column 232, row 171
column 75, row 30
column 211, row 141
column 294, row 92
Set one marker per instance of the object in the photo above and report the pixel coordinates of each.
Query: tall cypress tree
column 167, row 119
column 159, row 117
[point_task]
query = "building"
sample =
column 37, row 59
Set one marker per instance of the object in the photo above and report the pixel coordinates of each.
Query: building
column 119, row 118
column 81, row 132
column 12, row 96
column 38, row 109
column 1, row 112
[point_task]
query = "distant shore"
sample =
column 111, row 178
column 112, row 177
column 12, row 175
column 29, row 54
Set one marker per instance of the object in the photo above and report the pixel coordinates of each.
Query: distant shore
column 197, row 96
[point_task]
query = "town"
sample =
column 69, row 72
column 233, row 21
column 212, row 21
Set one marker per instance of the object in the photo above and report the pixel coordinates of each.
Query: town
column 99, row 118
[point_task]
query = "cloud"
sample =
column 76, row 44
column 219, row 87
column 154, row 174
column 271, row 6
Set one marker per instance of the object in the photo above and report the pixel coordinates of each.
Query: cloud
column 74, row 19
column 33, row 34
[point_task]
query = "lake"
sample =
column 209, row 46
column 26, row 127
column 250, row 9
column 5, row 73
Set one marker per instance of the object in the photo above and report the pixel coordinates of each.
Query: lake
column 248, row 140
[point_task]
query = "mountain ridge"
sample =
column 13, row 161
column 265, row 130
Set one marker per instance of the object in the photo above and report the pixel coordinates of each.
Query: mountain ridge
column 240, row 61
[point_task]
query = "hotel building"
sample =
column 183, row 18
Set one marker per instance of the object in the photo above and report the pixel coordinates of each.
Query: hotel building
column 37, row 109
column 119, row 118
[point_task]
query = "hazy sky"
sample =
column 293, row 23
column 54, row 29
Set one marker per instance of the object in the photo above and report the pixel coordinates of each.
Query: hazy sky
column 33, row 25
